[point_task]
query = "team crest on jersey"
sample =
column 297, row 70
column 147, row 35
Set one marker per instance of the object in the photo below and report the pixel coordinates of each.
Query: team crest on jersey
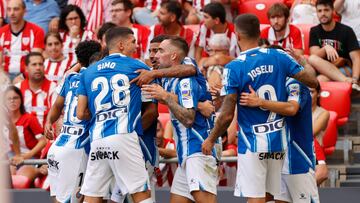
column 26, row 41
column 186, row 94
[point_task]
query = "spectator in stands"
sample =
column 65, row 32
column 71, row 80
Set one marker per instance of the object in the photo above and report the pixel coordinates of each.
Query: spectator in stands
column 304, row 12
column 57, row 63
column 350, row 15
column 41, row 12
column 72, row 27
column 320, row 116
column 101, row 32
column 147, row 15
column 38, row 92
column 121, row 12
column 169, row 24
column 2, row 12
column 18, row 38
column 215, row 23
column 29, row 130
column 280, row 31
column 334, row 49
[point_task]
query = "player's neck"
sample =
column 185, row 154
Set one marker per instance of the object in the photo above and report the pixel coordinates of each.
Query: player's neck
column 329, row 27
column 15, row 28
column 220, row 28
column 173, row 29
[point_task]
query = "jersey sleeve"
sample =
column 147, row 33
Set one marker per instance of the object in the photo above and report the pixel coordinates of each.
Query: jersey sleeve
column 39, row 39
column 62, row 89
column 297, row 39
column 289, row 64
column 230, row 81
column 35, row 126
column 82, row 88
column 351, row 40
column 314, row 38
column 188, row 93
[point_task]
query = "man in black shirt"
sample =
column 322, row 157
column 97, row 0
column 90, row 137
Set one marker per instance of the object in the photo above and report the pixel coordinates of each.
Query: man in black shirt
column 335, row 52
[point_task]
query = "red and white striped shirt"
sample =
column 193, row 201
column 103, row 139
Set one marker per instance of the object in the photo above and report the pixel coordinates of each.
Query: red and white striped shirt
column 39, row 102
column 141, row 34
column 3, row 9
column 68, row 44
column 292, row 38
column 205, row 34
column 185, row 33
column 16, row 47
column 92, row 7
column 153, row 5
column 54, row 70
column 29, row 131
column 199, row 4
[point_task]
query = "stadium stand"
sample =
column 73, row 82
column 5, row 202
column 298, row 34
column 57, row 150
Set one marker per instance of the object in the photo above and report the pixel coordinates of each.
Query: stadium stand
column 258, row 7
column 20, row 182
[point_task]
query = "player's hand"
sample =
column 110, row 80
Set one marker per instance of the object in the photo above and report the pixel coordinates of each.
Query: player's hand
column 155, row 91
column 144, row 78
column 250, row 99
column 298, row 57
column 215, row 91
column 206, row 108
column 331, row 53
column 49, row 131
column 17, row 160
column 207, row 146
column 43, row 170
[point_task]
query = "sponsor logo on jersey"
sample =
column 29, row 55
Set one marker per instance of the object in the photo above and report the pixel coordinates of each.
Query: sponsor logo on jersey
column 104, row 153
column 113, row 114
column 269, row 127
column 273, row 155
column 72, row 130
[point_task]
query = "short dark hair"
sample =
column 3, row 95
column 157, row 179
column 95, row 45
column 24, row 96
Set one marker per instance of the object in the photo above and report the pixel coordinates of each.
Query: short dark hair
column 325, row 3
column 128, row 5
column 65, row 12
column 248, row 25
column 85, row 50
column 216, row 10
column 31, row 54
column 159, row 38
column 115, row 33
column 105, row 27
column 18, row 92
column 179, row 43
column 173, row 7
column 278, row 9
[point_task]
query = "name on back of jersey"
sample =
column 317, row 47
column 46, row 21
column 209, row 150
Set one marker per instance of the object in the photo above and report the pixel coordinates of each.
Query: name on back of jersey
column 105, row 65
column 260, row 70
column 112, row 114
column 269, row 127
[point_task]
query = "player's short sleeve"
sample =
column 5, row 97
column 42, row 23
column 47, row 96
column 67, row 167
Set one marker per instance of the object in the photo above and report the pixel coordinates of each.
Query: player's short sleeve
column 230, row 81
column 288, row 63
column 187, row 91
column 62, row 88
column 82, row 85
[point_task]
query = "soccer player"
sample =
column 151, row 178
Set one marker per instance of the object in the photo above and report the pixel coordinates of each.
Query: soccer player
column 298, row 176
column 114, row 107
column 196, row 177
column 262, row 134
column 67, row 157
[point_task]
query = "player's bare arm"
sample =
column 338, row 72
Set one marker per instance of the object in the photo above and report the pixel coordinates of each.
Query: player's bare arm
column 179, row 71
column 251, row 99
column 53, row 116
column 149, row 114
column 82, row 111
column 222, row 122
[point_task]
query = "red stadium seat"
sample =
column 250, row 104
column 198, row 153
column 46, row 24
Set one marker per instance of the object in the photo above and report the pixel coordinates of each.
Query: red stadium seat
column 330, row 136
column 305, row 29
column 335, row 96
column 20, row 182
column 258, row 8
column 164, row 118
column 162, row 108
column 42, row 182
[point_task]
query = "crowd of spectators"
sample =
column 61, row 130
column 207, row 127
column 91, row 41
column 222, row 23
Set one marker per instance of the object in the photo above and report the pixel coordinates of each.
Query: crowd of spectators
column 38, row 39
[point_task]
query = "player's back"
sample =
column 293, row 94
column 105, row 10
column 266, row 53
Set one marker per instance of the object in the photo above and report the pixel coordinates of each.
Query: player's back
column 265, row 70
column 300, row 150
column 114, row 103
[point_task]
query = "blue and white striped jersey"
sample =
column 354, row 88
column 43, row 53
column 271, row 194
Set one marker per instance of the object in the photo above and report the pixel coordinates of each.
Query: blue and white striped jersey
column 266, row 71
column 300, row 155
column 74, row 132
column 188, row 140
column 114, row 103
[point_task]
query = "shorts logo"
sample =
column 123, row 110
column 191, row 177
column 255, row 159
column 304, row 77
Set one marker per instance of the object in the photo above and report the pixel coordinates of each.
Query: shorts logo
column 53, row 164
column 104, row 153
column 273, row 155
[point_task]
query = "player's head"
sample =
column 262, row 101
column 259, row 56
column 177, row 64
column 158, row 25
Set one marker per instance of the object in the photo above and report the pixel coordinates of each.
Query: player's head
column 219, row 43
column 34, row 62
column 324, row 11
column 172, row 51
column 85, row 50
column 14, row 100
column 247, row 29
column 101, row 33
column 53, row 45
column 214, row 14
column 71, row 16
column 278, row 15
column 120, row 40
column 15, row 10
column 121, row 11
column 153, row 49
column 170, row 12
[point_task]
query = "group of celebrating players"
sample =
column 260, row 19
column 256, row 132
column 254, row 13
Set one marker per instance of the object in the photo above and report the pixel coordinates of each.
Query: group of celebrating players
column 107, row 142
